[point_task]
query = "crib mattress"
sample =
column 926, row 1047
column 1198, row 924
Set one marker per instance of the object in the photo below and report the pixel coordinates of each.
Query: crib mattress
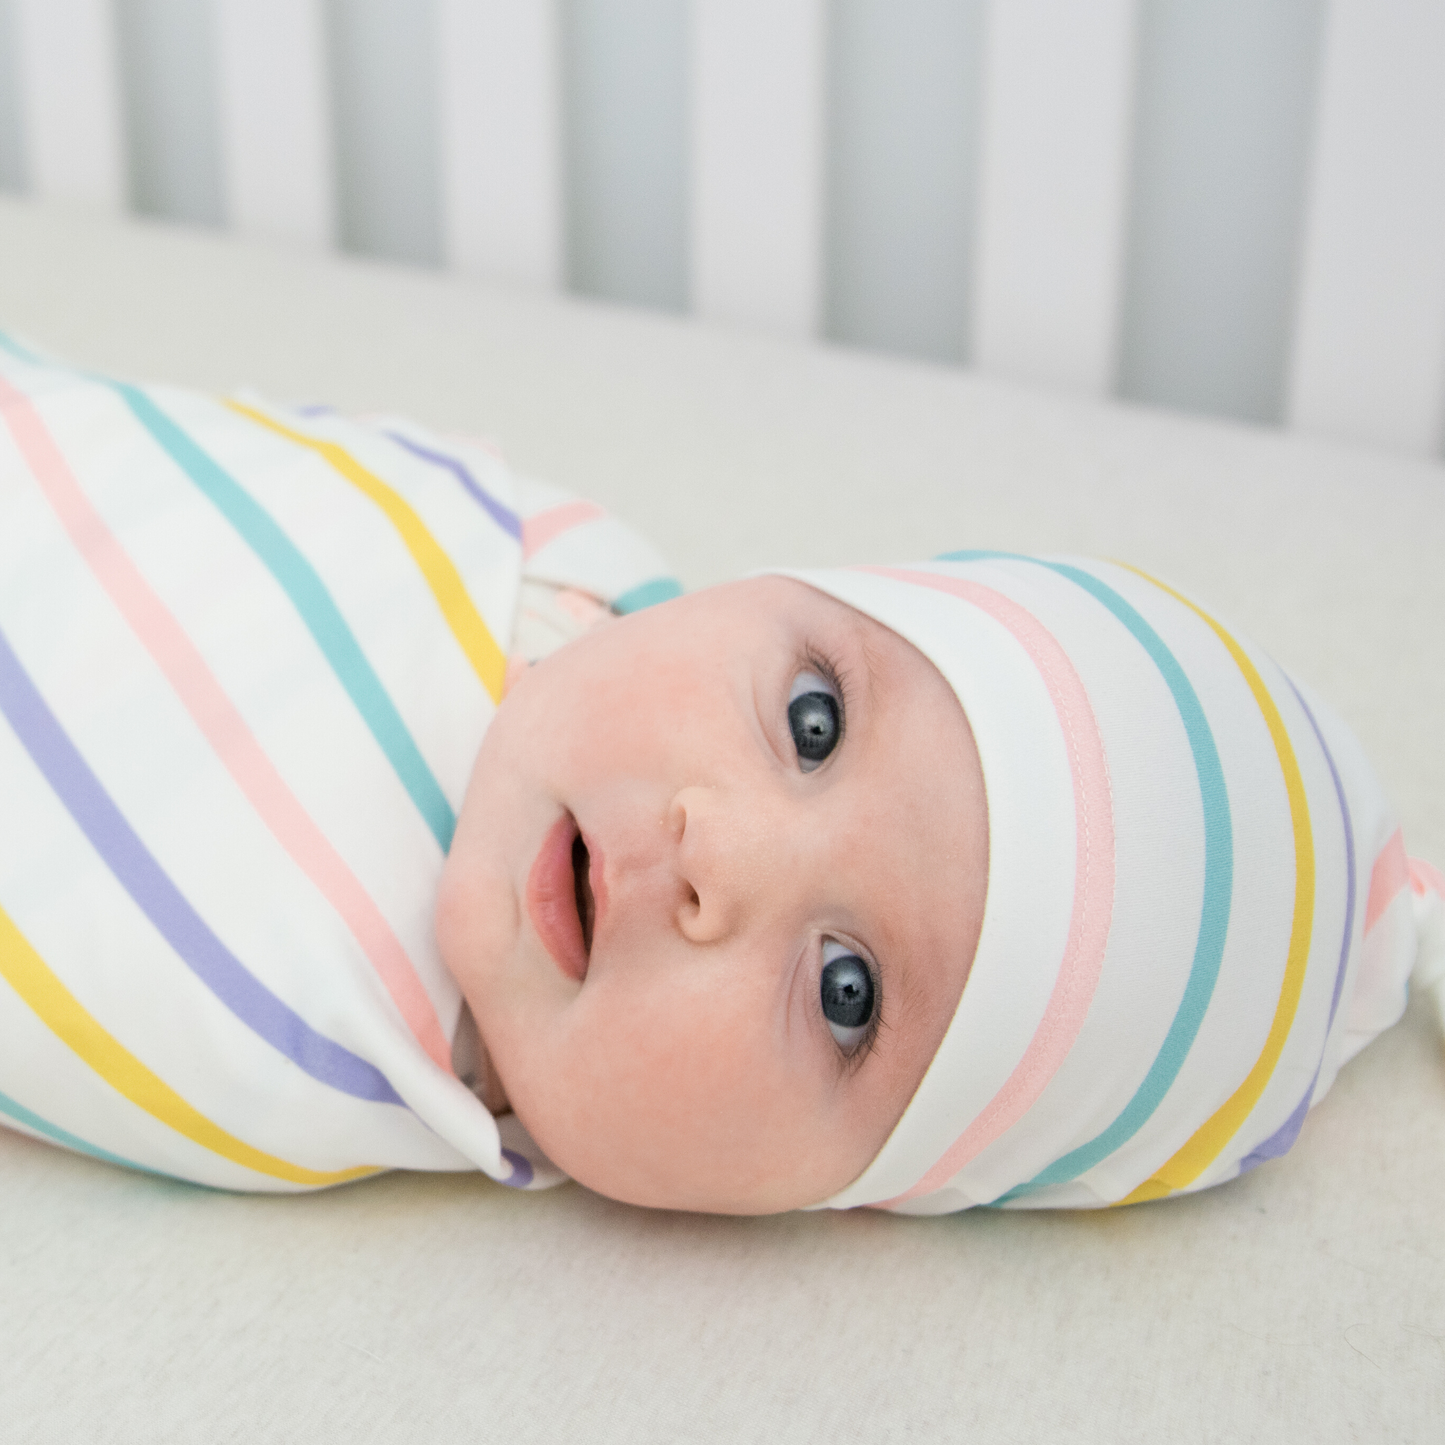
column 1305, row 1302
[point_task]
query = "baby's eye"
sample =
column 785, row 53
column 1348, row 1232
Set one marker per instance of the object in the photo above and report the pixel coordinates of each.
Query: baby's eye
column 847, row 992
column 813, row 719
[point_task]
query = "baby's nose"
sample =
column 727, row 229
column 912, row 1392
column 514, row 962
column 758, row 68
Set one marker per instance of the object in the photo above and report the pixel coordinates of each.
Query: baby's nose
column 727, row 851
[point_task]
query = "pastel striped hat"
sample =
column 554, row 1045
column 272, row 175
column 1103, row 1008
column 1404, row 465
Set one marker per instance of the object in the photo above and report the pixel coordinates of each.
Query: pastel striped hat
column 1198, row 903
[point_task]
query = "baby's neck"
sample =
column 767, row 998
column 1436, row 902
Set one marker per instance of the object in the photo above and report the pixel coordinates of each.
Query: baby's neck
column 473, row 1065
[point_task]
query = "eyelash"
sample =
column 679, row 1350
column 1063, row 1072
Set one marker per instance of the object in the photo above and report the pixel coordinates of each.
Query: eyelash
column 850, row 1062
column 837, row 679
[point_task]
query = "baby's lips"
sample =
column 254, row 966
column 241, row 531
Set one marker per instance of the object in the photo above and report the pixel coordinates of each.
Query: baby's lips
column 551, row 899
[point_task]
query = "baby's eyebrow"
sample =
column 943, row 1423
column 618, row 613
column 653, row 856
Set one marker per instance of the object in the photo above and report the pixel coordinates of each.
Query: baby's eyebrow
column 874, row 665
column 905, row 999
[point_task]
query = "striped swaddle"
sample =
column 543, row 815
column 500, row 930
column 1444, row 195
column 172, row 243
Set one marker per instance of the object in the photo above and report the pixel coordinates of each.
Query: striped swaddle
column 247, row 656
column 1199, row 903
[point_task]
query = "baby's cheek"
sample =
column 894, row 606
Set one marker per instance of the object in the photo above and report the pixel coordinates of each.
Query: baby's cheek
column 475, row 924
column 677, row 1086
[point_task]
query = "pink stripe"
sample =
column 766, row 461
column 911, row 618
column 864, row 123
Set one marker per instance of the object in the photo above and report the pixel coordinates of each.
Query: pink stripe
column 485, row 444
column 549, row 525
column 1426, row 878
column 1093, row 907
column 1389, row 876
column 221, row 723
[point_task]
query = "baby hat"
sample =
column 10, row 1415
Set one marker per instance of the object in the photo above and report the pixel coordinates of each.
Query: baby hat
column 1198, row 903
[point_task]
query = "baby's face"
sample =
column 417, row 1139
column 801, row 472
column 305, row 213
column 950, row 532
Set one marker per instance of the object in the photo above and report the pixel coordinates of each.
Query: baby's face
column 716, row 887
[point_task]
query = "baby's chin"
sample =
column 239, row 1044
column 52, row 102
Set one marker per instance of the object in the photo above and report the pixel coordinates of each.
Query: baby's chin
column 629, row 1160
column 772, row 1195
column 668, row 1189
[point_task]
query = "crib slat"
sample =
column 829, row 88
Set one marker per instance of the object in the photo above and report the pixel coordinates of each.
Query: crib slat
column 1058, row 82
column 70, row 98
column 275, row 119
column 499, row 70
column 757, row 162
column 1369, row 346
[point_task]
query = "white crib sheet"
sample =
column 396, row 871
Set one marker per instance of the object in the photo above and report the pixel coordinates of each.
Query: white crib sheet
column 1305, row 1302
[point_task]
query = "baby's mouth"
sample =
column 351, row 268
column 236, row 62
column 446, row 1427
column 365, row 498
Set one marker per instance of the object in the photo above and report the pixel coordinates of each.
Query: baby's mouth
column 559, row 897
column 582, row 885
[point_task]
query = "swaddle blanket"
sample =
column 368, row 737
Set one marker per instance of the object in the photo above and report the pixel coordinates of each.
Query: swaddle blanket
column 247, row 656
column 1199, row 904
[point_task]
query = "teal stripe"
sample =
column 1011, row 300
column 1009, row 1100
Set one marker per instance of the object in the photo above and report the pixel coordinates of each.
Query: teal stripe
column 1218, row 885
column 24, row 353
column 648, row 594
column 63, row 1137
column 307, row 592
column 302, row 584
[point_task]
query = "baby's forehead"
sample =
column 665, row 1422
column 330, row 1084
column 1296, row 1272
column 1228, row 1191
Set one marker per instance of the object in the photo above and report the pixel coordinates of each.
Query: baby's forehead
column 798, row 599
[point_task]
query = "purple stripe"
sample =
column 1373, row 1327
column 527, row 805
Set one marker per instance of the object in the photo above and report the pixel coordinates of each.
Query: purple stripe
column 504, row 517
column 163, row 903
column 521, row 1175
column 1279, row 1142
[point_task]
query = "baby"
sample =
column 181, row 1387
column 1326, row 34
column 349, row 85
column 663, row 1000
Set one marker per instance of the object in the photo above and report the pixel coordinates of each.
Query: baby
column 990, row 880
column 715, row 890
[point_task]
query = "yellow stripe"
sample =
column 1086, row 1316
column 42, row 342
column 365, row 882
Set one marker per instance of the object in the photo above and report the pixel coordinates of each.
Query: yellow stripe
column 68, row 1019
column 1209, row 1140
column 441, row 576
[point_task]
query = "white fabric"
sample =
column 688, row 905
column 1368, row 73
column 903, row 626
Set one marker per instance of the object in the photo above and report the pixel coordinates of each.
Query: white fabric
column 247, row 656
column 1303, row 1303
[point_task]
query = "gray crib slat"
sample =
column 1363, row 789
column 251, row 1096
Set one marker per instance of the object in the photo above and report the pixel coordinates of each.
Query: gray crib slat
column 381, row 55
column 1368, row 359
column 12, row 136
column 625, row 142
column 1058, row 86
column 168, row 87
column 499, row 78
column 1223, row 121
column 275, row 119
column 757, row 163
column 903, row 114
column 70, row 101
